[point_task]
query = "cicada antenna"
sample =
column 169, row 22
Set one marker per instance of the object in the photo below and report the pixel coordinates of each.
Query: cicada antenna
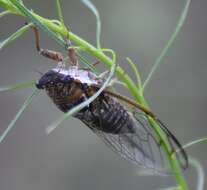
column 37, row 71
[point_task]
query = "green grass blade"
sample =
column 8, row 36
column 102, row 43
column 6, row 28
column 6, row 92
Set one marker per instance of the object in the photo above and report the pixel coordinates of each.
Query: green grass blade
column 52, row 127
column 59, row 11
column 19, row 113
column 135, row 69
column 172, row 188
column 169, row 43
column 94, row 10
column 14, row 36
column 18, row 86
column 195, row 142
column 4, row 13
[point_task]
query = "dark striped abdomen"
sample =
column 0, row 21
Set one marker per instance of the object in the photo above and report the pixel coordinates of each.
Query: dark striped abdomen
column 108, row 115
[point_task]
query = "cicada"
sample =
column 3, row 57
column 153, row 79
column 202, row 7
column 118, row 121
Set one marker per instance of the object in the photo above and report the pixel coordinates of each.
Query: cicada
column 127, row 132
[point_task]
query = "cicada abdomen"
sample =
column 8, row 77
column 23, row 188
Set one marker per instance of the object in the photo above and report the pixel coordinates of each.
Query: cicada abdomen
column 106, row 114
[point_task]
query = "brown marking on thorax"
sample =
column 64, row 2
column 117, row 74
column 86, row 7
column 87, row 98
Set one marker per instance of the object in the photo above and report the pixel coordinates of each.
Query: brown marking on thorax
column 74, row 92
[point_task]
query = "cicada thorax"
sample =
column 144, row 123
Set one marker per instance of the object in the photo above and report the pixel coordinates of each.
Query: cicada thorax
column 65, row 96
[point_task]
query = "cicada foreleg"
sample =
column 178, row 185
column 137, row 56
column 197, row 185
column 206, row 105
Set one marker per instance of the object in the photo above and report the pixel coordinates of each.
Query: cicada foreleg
column 54, row 55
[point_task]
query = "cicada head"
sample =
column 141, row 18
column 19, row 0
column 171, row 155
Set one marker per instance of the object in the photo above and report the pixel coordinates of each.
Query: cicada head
column 53, row 78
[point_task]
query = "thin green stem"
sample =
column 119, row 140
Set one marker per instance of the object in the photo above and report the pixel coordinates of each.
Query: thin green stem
column 195, row 142
column 136, row 71
column 200, row 173
column 94, row 10
column 19, row 113
column 18, row 86
column 172, row 188
column 14, row 36
column 4, row 13
column 59, row 11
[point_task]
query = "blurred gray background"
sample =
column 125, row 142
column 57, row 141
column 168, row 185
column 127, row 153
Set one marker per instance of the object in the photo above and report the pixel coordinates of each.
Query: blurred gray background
column 72, row 157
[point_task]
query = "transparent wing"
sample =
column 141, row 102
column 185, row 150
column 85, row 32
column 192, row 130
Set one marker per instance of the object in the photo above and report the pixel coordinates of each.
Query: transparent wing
column 175, row 146
column 141, row 146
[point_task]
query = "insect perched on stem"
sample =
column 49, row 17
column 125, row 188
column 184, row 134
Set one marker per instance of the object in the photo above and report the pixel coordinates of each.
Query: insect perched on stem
column 128, row 133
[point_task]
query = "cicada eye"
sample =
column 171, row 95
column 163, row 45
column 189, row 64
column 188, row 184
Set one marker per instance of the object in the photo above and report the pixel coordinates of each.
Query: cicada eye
column 59, row 85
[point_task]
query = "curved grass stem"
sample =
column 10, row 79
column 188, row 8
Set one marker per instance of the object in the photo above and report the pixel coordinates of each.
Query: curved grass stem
column 18, row 86
column 195, row 142
column 200, row 173
column 4, row 13
column 136, row 71
column 98, row 21
column 19, row 113
column 59, row 11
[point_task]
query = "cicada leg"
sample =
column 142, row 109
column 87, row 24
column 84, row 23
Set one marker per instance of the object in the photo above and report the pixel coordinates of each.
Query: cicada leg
column 93, row 64
column 54, row 55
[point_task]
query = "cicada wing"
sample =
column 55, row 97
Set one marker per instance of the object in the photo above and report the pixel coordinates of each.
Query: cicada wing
column 140, row 111
column 139, row 146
